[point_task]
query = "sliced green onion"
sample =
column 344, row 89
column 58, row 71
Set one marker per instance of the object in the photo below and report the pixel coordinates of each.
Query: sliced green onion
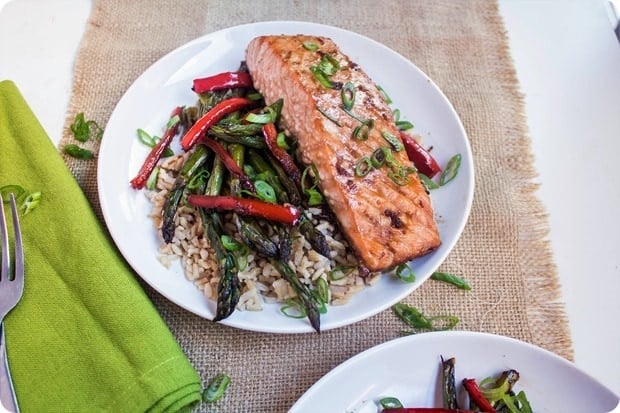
column 361, row 132
column 281, row 141
column 363, row 167
column 199, row 179
column 262, row 118
column 322, row 289
column 30, row 202
column 16, row 190
column 404, row 125
column 151, row 141
column 310, row 46
column 314, row 196
column 173, row 121
column 255, row 96
column 229, row 243
column 451, row 279
column 348, row 95
column 390, row 403
column 393, row 140
column 321, row 77
column 399, row 176
column 340, row 272
column 216, row 388
column 428, row 182
column 145, row 138
column 379, row 156
column 265, row 191
column 152, row 179
column 354, row 116
column 82, row 129
column 414, row 318
column 328, row 116
column 447, row 322
column 328, row 65
column 77, row 152
column 386, row 97
column 405, row 273
column 451, row 170
column 396, row 113
column 293, row 308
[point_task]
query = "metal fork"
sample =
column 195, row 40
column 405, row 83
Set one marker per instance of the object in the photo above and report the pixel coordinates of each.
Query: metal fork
column 11, row 289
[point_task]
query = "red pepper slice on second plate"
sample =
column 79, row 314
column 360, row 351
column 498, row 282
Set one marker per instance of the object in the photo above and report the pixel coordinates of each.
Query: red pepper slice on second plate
column 421, row 158
column 286, row 214
column 155, row 155
column 199, row 129
column 224, row 80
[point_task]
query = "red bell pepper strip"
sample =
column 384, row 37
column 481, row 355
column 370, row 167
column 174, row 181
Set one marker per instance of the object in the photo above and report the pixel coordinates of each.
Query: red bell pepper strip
column 287, row 162
column 285, row 214
column 421, row 158
column 476, row 396
column 199, row 129
column 229, row 163
column 155, row 155
column 224, row 80
column 425, row 410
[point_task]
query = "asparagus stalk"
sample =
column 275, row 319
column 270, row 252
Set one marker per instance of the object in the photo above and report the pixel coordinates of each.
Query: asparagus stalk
column 171, row 204
column 228, row 288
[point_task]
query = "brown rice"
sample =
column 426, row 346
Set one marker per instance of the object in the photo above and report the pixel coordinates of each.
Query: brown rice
column 260, row 282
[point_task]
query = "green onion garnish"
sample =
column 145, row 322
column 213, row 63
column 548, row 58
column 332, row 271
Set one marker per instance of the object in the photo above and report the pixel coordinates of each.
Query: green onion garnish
column 216, row 388
column 340, row 272
column 362, row 131
column 451, row 170
column 379, row 156
column 265, row 191
column 30, row 202
column 405, row 273
column 293, row 308
column 321, row 77
column 281, row 141
column 229, row 243
column 451, row 279
column 314, row 196
column 310, row 46
column 404, row 125
column 145, row 138
column 173, row 121
column 322, row 289
column 386, row 97
column 348, row 95
column 328, row 116
column 152, row 179
column 428, row 182
column 393, row 140
column 390, row 403
column 363, row 167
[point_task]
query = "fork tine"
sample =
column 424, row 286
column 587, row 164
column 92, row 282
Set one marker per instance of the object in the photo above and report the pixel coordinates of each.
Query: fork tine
column 18, row 248
column 4, row 240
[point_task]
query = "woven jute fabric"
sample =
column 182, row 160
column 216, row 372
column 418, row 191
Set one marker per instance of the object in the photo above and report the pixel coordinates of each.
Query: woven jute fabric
column 504, row 251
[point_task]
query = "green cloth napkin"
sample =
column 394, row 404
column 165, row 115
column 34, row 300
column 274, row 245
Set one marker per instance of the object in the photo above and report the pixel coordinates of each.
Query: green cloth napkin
column 85, row 337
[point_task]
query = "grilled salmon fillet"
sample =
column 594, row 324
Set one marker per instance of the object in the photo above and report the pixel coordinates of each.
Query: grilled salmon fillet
column 382, row 208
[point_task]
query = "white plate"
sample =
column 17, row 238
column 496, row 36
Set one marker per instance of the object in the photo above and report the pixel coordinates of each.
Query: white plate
column 408, row 368
column 166, row 84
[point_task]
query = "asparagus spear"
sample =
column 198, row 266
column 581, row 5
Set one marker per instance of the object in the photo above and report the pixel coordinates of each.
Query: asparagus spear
column 304, row 293
column 448, row 384
column 245, row 134
column 188, row 171
column 228, row 288
column 251, row 233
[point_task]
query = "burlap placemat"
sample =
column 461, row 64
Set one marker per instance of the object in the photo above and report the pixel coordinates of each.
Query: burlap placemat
column 503, row 252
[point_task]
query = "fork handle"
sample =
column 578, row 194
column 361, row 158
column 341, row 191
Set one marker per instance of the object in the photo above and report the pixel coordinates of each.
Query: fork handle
column 8, row 400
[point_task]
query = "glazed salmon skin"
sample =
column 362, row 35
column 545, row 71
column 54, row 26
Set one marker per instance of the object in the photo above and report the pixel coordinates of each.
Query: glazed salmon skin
column 340, row 120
